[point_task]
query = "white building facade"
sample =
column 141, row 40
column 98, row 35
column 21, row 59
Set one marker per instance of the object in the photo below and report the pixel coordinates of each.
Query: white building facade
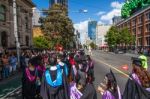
column 101, row 31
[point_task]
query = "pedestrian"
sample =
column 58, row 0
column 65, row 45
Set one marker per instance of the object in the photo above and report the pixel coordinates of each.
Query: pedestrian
column 52, row 86
column 22, row 61
column 144, row 60
column 90, row 50
column 6, row 66
column 109, row 88
column 41, row 69
column 13, row 62
column 87, row 89
column 138, row 85
column 90, row 69
column 30, row 81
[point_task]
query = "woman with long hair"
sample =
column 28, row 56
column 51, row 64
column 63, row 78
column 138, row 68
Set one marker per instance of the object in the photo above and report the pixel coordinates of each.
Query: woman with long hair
column 29, row 81
column 138, row 85
column 140, row 75
column 109, row 88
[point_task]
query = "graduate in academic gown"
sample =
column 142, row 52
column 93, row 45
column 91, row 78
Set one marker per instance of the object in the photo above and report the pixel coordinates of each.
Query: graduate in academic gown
column 52, row 86
column 109, row 88
column 87, row 89
column 29, row 85
column 138, row 85
column 61, row 65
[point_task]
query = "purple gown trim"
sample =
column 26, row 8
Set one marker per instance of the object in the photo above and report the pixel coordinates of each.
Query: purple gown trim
column 74, row 92
column 29, row 76
column 107, row 94
column 41, row 68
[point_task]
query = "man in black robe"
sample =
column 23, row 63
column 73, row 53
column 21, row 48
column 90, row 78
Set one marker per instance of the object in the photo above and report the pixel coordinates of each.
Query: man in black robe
column 48, row 91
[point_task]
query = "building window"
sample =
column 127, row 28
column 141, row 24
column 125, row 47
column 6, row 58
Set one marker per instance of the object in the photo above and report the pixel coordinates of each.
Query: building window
column 140, row 20
column 139, row 41
column 147, row 41
column 147, row 27
column 2, row 13
column 26, row 23
column 147, row 16
column 134, row 31
column 27, row 40
column 139, row 30
column 4, row 39
column 133, row 22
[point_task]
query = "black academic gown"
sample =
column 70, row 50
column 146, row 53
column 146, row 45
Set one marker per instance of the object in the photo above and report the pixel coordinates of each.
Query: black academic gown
column 134, row 91
column 28, row 87
column 89, row 92
column 49, row 92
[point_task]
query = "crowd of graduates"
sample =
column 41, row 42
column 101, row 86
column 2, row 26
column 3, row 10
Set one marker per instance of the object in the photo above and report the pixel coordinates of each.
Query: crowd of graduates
column 59, row 75
column 70, row 75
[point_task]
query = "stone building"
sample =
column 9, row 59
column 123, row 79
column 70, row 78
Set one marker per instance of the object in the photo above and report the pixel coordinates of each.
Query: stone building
column 24, row 23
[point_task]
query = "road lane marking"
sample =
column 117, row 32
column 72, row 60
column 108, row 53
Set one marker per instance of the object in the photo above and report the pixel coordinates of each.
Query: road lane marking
column 11, row 92
column 126, row 75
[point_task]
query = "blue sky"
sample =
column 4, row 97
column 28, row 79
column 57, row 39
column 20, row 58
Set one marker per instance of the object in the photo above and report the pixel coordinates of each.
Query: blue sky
column 101, row 11
column 93, row 7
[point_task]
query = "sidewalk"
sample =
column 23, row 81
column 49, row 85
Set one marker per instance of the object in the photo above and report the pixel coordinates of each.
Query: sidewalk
column 10, row 84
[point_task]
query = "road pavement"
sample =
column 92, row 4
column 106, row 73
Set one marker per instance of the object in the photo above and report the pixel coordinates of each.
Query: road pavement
column 103, row 62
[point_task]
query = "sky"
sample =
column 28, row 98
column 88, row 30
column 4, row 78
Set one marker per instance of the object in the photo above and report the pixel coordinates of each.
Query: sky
column 101, row 11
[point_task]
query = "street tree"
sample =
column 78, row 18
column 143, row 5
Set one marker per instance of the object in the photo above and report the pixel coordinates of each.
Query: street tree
column 112, row 37
column 58, row 27
column 93, row 45
column 126, row 37
column 41, row 42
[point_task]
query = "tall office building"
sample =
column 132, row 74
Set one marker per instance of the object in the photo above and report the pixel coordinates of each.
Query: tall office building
column 92, row 30
column 62, row 2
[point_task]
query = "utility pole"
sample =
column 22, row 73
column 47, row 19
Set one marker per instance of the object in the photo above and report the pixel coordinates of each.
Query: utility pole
column 16, row 31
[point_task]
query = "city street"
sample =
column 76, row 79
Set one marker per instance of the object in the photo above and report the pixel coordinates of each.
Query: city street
column 102, row 61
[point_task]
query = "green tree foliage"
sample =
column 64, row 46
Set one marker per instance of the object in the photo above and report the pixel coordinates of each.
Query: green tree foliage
column 115, row 37
column 126, row 37
column 131, row 5
column 112, row 36
column 57, row 26
column 93, row 45
column 41, row 42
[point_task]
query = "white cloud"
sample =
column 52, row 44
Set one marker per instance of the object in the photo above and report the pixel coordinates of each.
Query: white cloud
column 116, row 5
column 100, row 13
column 82, row 27
column 100, row 22
column 116, row 11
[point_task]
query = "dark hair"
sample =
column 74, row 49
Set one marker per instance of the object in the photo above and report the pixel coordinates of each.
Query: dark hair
column 32, row 61
column 60, row 56
column 88, row 57
column 111, row 82
column 52, row 60
column 39, row 60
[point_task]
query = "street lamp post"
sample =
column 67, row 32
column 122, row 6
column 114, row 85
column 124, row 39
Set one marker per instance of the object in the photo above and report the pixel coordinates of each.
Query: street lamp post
column 16, row 31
